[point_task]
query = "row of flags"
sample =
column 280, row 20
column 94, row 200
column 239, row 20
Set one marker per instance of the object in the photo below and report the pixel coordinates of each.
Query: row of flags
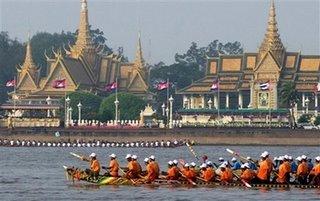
column 61, row 84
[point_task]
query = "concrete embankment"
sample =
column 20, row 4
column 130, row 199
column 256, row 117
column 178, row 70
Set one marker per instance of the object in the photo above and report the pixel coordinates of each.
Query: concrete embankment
column 204, row 136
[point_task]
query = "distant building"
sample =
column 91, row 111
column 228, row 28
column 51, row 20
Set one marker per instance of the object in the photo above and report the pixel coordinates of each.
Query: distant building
column 84, row 68
column 253, row 80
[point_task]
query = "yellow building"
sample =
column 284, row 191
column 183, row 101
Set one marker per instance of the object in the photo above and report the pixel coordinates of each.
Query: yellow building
column 83, row 66
column 241, row 78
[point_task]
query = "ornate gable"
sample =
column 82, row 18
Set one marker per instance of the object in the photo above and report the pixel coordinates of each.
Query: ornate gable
column 59, row 71
column 137, row 83
column 267, row 69
column 27, row 83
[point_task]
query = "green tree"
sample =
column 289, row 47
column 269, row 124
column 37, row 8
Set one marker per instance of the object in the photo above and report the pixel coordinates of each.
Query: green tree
column 90, row 105
column 11, row 54
column 198, row 55
column 317, row 120
column 129, row 107
column 289, row 98
column 44, row 42
column 304, row 118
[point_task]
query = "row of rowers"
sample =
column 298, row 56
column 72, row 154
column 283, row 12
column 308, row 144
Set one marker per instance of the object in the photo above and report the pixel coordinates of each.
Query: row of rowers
column 263, row 171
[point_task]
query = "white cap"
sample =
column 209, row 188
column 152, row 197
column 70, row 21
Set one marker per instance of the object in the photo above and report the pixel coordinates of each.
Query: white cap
column 248, row 158
column 286, row 157
column 281, row 158
column 304, row 157
column 267, row 153
column 112, row 156
column 209, row 163
column 233, row 159
column 223, row 165
column 263, row 155
column 242, row 166
column 226, row 163
column 134, row 157
column 317, row 158
column 299, row 158
column 246, row 165
column 170, row 163
column 93, row 155
column 221, row 159
column 146, row 160
column 175, row 162
column 186, row 165
column 203, row 165
column 290, row 158
column 152, row 157
column 128, row 156
column 193, row 164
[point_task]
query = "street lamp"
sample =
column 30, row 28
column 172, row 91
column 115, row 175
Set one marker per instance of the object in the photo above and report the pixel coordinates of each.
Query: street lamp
column 307, row 101
column 163, row 106
column 116, row 103
column 170, row 120
column 66, row 109
column 210, row 103
column 79, row 113
column 48, row 100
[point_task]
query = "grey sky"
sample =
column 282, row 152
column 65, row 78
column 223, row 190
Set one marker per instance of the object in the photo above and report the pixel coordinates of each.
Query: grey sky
column 170, row 26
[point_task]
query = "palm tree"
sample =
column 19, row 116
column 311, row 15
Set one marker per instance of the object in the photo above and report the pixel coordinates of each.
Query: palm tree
column 289, row 97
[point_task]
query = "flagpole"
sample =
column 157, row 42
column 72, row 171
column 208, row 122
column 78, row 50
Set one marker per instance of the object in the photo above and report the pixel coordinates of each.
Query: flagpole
column 270, row 118
column 116, row 102
column 14, row 96
column 167, row 109
column 218, row 98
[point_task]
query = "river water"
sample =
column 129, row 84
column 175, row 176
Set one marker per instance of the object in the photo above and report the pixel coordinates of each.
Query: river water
column 36, row 173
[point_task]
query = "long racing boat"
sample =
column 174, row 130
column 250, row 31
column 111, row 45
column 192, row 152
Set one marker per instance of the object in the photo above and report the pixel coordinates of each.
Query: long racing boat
column 80, row 175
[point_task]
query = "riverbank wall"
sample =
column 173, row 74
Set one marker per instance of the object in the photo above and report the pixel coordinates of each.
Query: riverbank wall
column 203, row 136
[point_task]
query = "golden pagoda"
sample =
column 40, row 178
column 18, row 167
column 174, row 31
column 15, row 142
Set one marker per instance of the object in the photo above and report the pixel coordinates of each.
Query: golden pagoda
column 84, row 67
column 242, row 78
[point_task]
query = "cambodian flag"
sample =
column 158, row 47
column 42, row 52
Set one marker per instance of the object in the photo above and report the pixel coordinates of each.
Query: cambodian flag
column 59, row 84
column 112, row 86
column 11, row 83
column 162, row 85
column 265, row 86
column 215, row 85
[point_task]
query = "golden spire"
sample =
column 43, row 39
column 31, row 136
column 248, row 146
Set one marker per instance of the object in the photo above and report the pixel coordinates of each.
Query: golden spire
column 139, row 61
column 28, row 61
column 84, row 40
column 272, row 41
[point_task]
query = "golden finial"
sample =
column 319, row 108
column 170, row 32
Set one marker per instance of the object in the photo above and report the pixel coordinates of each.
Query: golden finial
column 272, row 41
column 84, row 40
column 139, row 61
column 28, row 61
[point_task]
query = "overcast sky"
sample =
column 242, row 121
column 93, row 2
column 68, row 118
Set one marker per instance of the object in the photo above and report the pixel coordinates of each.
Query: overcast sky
column 170, row 26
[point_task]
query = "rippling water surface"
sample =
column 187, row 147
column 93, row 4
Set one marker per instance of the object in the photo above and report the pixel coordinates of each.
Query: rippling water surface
column 37, row 174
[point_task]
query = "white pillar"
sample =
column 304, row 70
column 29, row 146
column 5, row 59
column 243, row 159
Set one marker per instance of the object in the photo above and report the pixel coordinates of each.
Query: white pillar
column 192, row 102
column 303, row 102
column 215, row 101
column 316, row 104
column 251, row 94
column 240, row 100
column 227, row 100
column 202, row 103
